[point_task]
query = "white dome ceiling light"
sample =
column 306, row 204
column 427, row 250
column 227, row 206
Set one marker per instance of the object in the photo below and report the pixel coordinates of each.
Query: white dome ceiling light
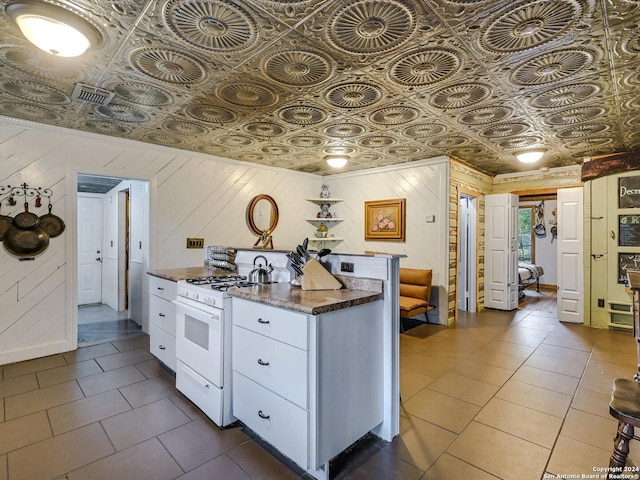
column 52, row 28
column 336, row 161
column 530, row 156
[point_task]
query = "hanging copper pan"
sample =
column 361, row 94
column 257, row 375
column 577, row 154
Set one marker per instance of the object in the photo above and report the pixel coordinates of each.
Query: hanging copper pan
column 52, row 224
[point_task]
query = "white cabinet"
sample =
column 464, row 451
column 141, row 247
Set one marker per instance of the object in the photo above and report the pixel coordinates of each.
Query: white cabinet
column 328, row 241
column 162, row 320
column 310, row 385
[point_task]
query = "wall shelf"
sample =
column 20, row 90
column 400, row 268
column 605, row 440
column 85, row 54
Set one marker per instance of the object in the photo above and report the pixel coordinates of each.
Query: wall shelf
column 328, row 241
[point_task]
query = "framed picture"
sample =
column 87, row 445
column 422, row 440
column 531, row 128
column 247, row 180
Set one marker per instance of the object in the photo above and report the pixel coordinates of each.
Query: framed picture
column 384, row 219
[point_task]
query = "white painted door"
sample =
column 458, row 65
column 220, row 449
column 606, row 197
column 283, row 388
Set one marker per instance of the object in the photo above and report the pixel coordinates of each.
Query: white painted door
column 570, row 255
column 89, row 249
column 501, row 251
column 467, row 257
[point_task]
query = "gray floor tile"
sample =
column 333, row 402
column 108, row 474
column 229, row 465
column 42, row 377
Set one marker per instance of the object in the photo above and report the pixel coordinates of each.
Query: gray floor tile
column 221, row 467
column 148, row 391
column 23, row 431
column 106, row 381
column 63, row 453
column 36, row 400
column 119, row 360
column 198, row 442
column 31, row 366
column 135, row 426
column 145, row 461
column 68, row 372
column 86, row 411
column 17, row 385
column 87, row 353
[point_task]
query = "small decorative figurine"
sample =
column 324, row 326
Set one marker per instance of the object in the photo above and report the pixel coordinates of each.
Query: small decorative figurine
column 324, row 191
column 324, row 211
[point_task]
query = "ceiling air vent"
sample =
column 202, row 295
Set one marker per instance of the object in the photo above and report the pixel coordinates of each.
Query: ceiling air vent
column 88, row 93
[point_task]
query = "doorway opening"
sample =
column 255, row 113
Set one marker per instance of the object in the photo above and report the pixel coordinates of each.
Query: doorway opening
column 467, row 258
column 112, row 215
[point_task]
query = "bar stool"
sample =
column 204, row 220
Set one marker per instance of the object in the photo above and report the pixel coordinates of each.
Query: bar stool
column 625, row 397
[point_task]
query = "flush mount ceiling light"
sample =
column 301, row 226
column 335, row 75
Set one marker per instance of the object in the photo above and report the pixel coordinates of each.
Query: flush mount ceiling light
column 531, row 156
column 336, row 161
column 53, row 29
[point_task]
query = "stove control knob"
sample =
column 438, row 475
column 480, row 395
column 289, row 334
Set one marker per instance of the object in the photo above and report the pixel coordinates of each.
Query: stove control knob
column 207, row 300
column 195, row 296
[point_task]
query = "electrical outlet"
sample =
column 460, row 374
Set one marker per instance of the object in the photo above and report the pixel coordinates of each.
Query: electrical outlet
column 195, row 242
column 346, row 267
column 601, row 302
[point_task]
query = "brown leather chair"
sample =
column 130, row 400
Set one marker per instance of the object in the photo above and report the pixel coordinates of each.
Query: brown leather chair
column 415, row 292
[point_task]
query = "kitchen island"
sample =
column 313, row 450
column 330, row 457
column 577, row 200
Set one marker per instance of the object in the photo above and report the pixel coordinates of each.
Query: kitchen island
column 308, row 369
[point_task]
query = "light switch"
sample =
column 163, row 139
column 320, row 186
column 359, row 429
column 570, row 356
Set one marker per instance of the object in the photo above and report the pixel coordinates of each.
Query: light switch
column 430, row 219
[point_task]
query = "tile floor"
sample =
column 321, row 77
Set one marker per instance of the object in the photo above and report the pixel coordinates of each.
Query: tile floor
column 505, row 395
column 101, row 323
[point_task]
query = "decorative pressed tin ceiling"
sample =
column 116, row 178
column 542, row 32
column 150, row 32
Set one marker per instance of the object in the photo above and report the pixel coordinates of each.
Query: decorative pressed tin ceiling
column 285, row 82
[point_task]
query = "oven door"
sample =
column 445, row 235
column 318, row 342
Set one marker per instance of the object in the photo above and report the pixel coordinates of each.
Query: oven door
column 199, row 340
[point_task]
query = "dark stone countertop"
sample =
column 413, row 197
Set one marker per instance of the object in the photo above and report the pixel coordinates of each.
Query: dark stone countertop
column 313, row 302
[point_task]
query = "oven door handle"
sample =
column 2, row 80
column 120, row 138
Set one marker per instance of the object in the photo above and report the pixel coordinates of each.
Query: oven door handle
column 196, row 311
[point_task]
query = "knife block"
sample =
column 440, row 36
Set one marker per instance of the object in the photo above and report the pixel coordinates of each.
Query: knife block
column 316, row 277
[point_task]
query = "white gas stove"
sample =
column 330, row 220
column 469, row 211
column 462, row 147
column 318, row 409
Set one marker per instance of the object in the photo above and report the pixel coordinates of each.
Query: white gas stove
column 203, row 343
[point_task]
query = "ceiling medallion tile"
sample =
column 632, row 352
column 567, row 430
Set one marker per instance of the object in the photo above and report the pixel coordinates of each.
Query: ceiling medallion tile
column 575, row 115
column 142, row 94
column 403, row 150
column 35, row 92
column 122, row 113
column 447, row 142
column 29, row 111
column 394, row 115
column 169, row 66
column 35, row 63
column 460, row 96
column 235, row 140
column 552, row 67
column 425, row 67
column 298, row 68
column 306, row 141
column 302, row 115
column 187, row 129
column 209, row 113
column 530, row 24
column 344, row 130
column 275, row 150
column 164, row 138
column 212, row 149
column 216, row 26
column 631, row 44
column 520, row 142
column 248, row 95
column 424, row 130
column 588, row 143
column 376, row 141
column 504, row 130
column 264, row 129
column 484, row 115
column 371, row 26
column 338, row 150
column 583, row 130
column 250, row 157
column 106, row 127
column 565, row 95
column 353, row 95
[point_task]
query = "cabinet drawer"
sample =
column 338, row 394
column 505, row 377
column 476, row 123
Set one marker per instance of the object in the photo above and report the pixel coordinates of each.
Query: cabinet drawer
column 162, row 287
column 163, row 313
column 275, row 365
column 278, row 421
column 163, row 346
column 283, row 325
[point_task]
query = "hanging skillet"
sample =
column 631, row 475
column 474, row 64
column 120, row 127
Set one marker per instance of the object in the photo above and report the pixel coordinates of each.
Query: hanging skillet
column 52, row 224
column 5, row 222
column 26, row 220
column 25, row 244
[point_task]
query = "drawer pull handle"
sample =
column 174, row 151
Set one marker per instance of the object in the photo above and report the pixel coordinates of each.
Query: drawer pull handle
column 162, row 347
column 161, row 315
column 262, row 415
column 161, row 289
column 263, row 321
column 263, row 363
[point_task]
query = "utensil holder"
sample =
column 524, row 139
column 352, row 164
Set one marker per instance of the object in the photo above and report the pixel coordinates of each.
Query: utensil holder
column 316, row 277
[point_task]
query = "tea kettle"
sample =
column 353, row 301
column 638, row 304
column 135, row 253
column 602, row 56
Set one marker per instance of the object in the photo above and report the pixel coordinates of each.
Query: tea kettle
column 260, row 274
